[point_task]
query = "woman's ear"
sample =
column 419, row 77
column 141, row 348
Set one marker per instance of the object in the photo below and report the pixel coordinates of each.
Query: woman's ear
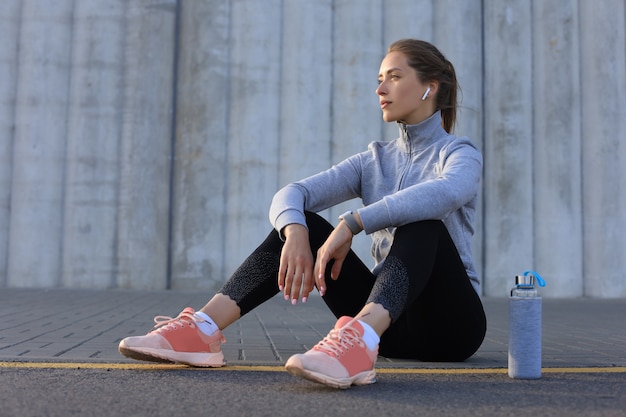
column 431, row 89
column 434, row 87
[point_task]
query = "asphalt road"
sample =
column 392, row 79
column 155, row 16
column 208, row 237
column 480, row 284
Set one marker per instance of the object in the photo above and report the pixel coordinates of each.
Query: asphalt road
column 103, row 391
column 58, row 357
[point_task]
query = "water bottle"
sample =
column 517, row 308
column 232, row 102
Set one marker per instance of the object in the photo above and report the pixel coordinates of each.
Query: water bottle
column 525, row 327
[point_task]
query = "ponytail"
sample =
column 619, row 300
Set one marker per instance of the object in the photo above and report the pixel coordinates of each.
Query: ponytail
column 447, row 98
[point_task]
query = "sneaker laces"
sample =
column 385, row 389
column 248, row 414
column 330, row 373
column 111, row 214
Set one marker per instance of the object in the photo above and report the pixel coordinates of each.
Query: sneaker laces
column 338, row 341
column 172, row 323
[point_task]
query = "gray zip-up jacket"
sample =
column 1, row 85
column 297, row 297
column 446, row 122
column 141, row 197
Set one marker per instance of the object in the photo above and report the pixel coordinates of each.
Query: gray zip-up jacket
column 425, row 174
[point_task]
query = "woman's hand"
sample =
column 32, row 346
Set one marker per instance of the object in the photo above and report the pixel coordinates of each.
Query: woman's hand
column 296, row 264
column 336, row 247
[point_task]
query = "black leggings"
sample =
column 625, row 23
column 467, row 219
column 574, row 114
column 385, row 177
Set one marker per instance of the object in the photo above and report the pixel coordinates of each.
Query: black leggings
column 436, row 313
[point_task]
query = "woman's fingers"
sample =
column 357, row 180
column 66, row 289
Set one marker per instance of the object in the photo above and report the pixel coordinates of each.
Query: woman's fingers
column 298, row 274
column 308, row 284
column 282, row 274
column 320, row 268
column 296, row 264
column 336, row 269
column 335, row 248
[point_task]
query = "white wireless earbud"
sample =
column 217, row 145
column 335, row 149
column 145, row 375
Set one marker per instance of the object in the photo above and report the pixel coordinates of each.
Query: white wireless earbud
column 426, row 94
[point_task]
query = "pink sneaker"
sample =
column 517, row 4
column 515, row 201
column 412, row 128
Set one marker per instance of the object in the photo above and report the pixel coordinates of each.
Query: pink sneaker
column 176, row 340
column 340, row 360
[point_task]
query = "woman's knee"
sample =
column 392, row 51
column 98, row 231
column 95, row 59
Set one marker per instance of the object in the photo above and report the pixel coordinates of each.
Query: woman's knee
column 422, row 228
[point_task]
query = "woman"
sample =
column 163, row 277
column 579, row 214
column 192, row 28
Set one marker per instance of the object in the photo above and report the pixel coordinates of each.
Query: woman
column 419, row 194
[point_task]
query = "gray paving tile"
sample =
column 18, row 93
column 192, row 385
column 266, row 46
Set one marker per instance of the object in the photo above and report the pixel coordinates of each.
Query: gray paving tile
column 87, row 325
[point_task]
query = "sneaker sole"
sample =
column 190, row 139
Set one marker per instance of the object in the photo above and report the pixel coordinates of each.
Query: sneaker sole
column 363, row 378
column 129, row 353
column 201, row 360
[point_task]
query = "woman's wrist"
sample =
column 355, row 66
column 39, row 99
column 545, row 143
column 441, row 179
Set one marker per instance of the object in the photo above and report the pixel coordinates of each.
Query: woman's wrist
column 353, row 221
column 293, row 228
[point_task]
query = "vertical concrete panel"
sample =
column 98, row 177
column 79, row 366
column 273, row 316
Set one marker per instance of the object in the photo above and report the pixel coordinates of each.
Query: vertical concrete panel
column 200, row 168
column 10, row 18
column 508, row 153
column 305, row 120
column 357, row 119
column 603, row 81
column 405, row 19
column 358, row 52
column 306, row 93
column 557, row 147
column 39, row 146
column 253, row 140
column 144, row 196
column 94, row 131
column 458, row 34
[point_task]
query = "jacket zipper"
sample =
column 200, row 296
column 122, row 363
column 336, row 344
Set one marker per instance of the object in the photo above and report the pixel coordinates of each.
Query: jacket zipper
column 406, row 138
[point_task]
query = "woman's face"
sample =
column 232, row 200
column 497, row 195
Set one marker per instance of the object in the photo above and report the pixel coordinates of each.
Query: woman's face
column 400, row 91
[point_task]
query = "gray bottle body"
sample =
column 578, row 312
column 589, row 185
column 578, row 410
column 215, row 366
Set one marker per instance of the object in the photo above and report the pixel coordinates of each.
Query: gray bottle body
column 524, row 361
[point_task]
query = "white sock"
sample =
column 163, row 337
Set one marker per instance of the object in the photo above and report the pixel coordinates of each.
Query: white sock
column 206, row 324
column 370, row 338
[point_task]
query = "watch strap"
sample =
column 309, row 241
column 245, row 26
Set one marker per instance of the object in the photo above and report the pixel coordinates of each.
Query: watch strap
column 350, row 220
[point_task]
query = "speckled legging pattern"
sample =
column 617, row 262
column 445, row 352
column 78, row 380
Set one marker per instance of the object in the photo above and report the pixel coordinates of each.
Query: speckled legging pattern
column 391, row 288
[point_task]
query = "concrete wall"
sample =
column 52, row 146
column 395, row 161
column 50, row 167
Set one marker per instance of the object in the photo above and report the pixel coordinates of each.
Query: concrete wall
column 142, row 141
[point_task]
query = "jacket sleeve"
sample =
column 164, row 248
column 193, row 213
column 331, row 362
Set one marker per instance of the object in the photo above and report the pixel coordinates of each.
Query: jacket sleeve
column 457, row 183
column 318, row 192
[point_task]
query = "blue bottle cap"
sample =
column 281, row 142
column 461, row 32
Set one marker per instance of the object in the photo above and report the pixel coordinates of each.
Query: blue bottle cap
column 528, row 279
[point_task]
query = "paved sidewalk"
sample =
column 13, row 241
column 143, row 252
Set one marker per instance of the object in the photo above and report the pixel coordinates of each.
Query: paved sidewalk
column 86, row 326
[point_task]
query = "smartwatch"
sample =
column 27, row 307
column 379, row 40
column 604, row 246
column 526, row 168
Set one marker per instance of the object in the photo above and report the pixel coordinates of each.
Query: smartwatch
column 350, row 220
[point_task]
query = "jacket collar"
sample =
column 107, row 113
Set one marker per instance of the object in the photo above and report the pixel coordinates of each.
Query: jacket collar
column 419, row 136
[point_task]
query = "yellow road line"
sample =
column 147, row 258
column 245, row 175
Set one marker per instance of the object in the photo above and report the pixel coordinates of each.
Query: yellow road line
column 262, row 368
column 571, row 370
